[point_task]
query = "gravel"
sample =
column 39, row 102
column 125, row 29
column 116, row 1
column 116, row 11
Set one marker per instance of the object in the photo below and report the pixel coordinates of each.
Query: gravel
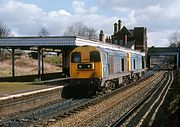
column 121, row 102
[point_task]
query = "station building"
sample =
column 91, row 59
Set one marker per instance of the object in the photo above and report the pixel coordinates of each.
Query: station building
column 130, row 38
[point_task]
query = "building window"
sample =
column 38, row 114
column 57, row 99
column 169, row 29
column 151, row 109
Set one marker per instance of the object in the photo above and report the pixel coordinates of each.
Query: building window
column 116, row 42
column 121, row 42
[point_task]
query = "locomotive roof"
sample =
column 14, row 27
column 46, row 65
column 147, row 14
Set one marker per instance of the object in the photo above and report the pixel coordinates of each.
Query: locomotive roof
column 105, row 46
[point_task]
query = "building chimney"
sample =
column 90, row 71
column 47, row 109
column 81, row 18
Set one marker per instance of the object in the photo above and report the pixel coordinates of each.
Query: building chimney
column 115, row 28
column 107, row 40
column 119, row 25
column 101, row 36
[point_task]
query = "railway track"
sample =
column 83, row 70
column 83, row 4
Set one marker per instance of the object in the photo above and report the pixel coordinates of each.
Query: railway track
column 35, row 117
column 14, row 108
column 144, row 112
column 95, row 114
column 65, row 110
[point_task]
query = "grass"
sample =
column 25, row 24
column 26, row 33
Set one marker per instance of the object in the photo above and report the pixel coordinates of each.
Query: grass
column 15, row 87
column 25, row 65
column 52, row 59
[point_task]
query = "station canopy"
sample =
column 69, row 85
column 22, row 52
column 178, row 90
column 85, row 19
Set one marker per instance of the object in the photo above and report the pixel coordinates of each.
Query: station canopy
column 54, row 42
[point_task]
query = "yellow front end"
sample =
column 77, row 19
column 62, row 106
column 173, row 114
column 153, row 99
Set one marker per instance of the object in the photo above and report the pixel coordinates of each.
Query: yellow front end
column 85, row 67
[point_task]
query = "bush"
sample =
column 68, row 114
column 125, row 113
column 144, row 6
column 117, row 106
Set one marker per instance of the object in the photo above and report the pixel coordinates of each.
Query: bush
column 53, row 59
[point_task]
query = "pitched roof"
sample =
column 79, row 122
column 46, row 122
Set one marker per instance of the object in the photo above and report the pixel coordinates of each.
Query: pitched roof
column 125, row 31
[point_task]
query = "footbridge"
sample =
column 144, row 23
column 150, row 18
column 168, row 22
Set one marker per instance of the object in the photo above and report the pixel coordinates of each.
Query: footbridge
column 163, row 55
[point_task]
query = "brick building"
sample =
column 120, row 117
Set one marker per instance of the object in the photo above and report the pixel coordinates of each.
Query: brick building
column 130, row 38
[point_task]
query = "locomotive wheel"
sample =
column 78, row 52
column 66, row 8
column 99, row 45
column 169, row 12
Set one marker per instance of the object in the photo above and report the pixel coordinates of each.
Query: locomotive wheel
column 136, row 77
column 92, row 92
column 126, row 80
column 109, row 86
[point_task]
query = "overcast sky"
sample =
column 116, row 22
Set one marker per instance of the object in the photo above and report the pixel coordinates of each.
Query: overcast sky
column 27, row 17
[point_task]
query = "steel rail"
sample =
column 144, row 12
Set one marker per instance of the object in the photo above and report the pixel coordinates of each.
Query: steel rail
column 123, row 118
column 112, row 94
column 81, row 106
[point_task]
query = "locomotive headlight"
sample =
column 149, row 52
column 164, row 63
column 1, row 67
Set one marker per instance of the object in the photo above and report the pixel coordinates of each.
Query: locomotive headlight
column 85, row 66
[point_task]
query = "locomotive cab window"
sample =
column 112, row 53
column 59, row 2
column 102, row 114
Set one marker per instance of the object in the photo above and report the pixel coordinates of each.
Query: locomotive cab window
column 95, row 56
column 76, row 57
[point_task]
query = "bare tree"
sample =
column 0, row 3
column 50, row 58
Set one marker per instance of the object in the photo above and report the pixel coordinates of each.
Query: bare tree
column 43, row 32
column 4, row 30
column 174, row 39
column 92, row 33
column 79, row 29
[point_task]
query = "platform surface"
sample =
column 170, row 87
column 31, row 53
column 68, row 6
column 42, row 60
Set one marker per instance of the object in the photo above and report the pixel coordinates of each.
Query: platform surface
column 13, row 88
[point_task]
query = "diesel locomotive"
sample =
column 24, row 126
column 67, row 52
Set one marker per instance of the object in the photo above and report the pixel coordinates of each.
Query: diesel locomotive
column 94, row 68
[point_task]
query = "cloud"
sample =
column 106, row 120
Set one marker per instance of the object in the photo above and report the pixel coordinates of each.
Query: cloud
column 16, row 10
column 131, row 4
column 81, row 8
column 155, row 15
column 99, row 22
column 160, row 17
column 59, row 13
column 158, row 39
column 28, row 19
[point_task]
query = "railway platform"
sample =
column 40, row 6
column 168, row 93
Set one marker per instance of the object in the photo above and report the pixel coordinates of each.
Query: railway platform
column 14, row 88
column 21, row 96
